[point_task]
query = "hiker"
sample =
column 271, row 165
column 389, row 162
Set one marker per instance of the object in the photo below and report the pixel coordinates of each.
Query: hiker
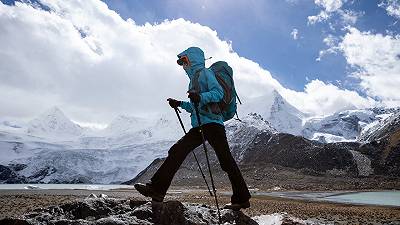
column 212, row 124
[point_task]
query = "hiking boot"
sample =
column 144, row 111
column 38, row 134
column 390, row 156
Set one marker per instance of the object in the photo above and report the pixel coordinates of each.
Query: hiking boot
column 237, row 206
column 148, row 191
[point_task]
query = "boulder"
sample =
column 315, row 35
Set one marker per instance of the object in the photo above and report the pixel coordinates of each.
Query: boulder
column 111, row 211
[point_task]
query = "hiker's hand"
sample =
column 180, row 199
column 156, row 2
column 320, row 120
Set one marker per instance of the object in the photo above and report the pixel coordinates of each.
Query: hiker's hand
column 194, row 97
column 173, row 102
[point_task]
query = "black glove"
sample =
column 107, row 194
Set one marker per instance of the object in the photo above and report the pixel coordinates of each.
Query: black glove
column 194, row 97
column 173, row 102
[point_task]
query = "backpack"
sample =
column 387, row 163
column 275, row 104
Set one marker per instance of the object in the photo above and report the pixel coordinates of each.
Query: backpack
column 224, row 74
column 227, row 106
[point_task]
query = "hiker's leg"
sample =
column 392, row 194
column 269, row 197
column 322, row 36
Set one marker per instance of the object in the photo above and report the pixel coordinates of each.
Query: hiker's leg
column 161, row 180
column 216, row 136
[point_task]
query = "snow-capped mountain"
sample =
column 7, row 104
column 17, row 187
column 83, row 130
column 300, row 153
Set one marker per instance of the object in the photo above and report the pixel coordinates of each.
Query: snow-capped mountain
column 53, row 123
column 10, row 124
column 126, row 130
column 124, row 123
column 285, row 117
column 51, row 148
column 241, row 133
column 277, row 111
column 387, row 120
column 116, row 154
column 347, row 125
column 341, row 126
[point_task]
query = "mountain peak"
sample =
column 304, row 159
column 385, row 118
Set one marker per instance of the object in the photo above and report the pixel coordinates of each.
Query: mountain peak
column 277, row 111
column 54, row 111
column 53, row 122
column 123, row 123
column 276, row 94
column 52, row 114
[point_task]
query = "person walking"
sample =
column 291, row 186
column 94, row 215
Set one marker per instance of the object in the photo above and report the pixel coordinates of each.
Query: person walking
column 204, row 92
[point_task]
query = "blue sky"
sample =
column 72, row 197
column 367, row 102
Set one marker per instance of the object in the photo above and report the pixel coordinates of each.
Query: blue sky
column 260, row 31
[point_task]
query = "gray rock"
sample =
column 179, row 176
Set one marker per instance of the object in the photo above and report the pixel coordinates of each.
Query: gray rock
column 111, row 211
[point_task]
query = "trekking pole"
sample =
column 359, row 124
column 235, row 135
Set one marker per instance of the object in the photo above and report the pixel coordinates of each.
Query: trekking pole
column 194, row 155
column 196, row 108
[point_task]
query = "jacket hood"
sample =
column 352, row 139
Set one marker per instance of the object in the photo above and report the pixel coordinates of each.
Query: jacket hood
column 196, row 58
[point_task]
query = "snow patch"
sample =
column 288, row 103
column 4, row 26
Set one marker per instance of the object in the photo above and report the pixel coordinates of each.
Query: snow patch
column 329, row 138
column 277, row 219
column 272, row 219
column 32, row 187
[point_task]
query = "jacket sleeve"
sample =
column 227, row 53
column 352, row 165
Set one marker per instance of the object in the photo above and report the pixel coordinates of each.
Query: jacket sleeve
column 187, row 106
column 215, row 93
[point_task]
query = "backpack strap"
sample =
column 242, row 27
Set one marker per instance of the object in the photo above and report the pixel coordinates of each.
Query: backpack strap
column 237, row 96
column 205, row 109
column 195, row 82
column 237, row 116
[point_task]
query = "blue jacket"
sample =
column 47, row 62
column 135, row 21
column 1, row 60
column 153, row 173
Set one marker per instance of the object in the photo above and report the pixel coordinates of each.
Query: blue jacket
column 210, row 90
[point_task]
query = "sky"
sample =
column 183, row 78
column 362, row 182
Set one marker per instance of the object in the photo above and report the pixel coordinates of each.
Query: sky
column 275, row 34
column 98, row 59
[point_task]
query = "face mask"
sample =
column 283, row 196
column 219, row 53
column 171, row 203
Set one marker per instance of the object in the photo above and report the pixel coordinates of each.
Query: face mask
column 183, row 61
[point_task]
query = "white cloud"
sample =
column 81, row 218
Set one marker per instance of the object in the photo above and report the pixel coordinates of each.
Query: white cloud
column 322, row 16
column 349, row 17
column 332, row 7
column 320, row 98
column 377, row 59
column 392, row 7
column 295, row 34
column 332, row 42
column 329, row 5
column 87, row 60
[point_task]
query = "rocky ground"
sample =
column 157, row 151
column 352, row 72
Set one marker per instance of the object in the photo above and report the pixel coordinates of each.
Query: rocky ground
column 105, row 210
column 118, row 207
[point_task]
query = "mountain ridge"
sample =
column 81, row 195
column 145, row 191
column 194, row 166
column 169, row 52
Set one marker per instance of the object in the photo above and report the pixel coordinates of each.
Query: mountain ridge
column 129, row 148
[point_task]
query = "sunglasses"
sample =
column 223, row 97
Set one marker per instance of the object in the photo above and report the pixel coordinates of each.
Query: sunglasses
column 183, row 61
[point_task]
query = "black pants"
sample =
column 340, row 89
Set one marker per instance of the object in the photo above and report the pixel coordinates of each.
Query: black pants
column 215, row 135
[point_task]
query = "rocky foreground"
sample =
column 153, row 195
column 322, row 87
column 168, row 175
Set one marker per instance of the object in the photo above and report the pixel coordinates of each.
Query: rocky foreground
column 181, row 207
column 109, row 211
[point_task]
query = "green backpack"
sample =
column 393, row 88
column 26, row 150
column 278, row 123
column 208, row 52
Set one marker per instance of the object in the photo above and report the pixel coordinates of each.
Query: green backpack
column 227, row 106
column 224, row 74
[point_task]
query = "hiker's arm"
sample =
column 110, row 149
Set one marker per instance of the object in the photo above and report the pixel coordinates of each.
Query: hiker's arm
column 187, row 106
column 215, row 93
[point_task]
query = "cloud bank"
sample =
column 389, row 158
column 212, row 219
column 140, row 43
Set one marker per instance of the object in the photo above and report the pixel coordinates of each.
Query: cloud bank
column 86, row 59
column 376, row 58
